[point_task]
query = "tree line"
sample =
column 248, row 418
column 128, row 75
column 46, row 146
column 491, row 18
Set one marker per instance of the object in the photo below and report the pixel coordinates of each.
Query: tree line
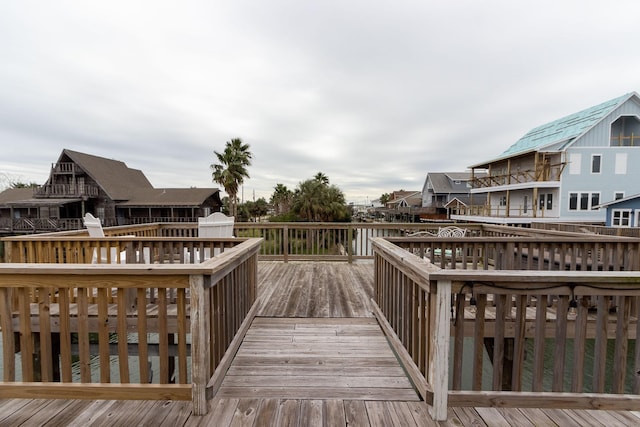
column 313, row 200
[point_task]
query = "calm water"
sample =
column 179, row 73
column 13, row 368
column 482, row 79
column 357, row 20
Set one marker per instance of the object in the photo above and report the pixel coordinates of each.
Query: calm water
column 487, row 371
column 134, row 367
column 466, row 375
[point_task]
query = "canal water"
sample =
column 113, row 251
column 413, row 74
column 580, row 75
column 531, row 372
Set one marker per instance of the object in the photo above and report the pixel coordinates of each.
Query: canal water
column 134, row 366
column 466, row 375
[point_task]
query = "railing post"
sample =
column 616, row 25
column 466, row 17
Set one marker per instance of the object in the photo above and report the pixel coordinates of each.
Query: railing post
column 285, row 242
column 440, row 301
column 200, row 344
column 349, row 243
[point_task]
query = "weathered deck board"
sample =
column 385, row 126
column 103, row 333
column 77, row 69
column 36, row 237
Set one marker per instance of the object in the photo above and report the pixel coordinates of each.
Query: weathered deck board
column 315, row 289
column 279, row 412
column 319, row 358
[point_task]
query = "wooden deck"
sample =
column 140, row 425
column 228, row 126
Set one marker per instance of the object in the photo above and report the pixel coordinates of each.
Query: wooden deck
column 316, row 358
column 294, row 368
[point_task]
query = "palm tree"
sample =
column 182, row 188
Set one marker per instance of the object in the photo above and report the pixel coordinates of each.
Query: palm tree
column 322, row 178
column 281, row 199
column 308, row 200
column 315, row 200
column 231, row 170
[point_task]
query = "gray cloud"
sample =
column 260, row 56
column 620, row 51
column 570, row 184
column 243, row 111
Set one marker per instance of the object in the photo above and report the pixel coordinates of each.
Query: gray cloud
column 374, row 94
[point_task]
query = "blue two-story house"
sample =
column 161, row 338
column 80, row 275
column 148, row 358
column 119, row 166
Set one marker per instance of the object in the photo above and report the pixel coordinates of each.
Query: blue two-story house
column 562, row 170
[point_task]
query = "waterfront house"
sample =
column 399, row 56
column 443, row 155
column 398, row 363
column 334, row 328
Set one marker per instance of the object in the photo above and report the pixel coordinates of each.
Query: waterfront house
column 562, row 170
column 441, row 188
column 117, row 194
column 403, row 206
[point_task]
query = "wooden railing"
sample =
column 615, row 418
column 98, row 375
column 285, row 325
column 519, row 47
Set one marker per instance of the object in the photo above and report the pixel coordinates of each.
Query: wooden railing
column 515, row 211
column 327, row 241
column 324, row 241
column 88, row 331
column 547, row 172
column 587, row 252
column 66, row 190
column 587, row 229
column 560, row 339
column 114, row 249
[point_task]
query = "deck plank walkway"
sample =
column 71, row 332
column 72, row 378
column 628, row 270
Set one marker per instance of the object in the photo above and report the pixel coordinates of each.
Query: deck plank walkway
column 316, row 358
column 297, row 294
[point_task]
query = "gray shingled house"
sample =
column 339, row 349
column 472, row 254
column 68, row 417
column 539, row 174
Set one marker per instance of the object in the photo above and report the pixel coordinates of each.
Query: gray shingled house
column 79, row 183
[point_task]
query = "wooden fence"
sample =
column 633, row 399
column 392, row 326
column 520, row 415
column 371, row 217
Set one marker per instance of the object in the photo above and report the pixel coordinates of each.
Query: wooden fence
column 298, row 241
column 63, row 319
column 550, row 252
column 563, row 339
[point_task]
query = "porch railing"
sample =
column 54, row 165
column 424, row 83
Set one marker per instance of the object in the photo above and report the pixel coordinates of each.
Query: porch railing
column 89, row 330
column 518, row 338
column 586, row 252
column 487, row 246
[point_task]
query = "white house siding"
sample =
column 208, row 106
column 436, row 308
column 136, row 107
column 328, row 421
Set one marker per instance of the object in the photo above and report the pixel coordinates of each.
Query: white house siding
column 517, row 204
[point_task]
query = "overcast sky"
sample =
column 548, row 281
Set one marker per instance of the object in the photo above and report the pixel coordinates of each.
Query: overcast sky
column 375, row 94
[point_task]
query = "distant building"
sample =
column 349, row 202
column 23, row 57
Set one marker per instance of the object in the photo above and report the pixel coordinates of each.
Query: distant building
column 403, row 206
column 440, row 189
column 563, row 170
column 404, row 199
column 79, row 183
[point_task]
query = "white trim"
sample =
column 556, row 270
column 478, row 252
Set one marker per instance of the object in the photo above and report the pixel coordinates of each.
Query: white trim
column 621, row 211
column 593, row 156
column 636, row 116
column 590, row 206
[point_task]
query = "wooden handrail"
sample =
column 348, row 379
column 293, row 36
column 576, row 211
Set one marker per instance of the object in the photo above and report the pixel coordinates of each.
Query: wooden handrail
column 425, row 307
column 47, row 304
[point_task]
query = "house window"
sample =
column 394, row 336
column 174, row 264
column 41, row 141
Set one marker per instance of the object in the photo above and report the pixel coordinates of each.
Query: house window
column 625, row 131
column 596, row 161
column 583, row 201
column 618, row 195
column 573, row 201
column 621, row 217
column 545, row 201
column 526, row 201
column 100, row 214
column 503, row 201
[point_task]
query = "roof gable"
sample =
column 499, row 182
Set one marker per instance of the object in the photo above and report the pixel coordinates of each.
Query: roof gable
column 449, row 182
column 618, row 201
column 115, row 177
column 564, row 129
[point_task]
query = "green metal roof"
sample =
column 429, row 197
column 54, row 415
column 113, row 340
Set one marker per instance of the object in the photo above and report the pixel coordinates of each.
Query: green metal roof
column 564, row 129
